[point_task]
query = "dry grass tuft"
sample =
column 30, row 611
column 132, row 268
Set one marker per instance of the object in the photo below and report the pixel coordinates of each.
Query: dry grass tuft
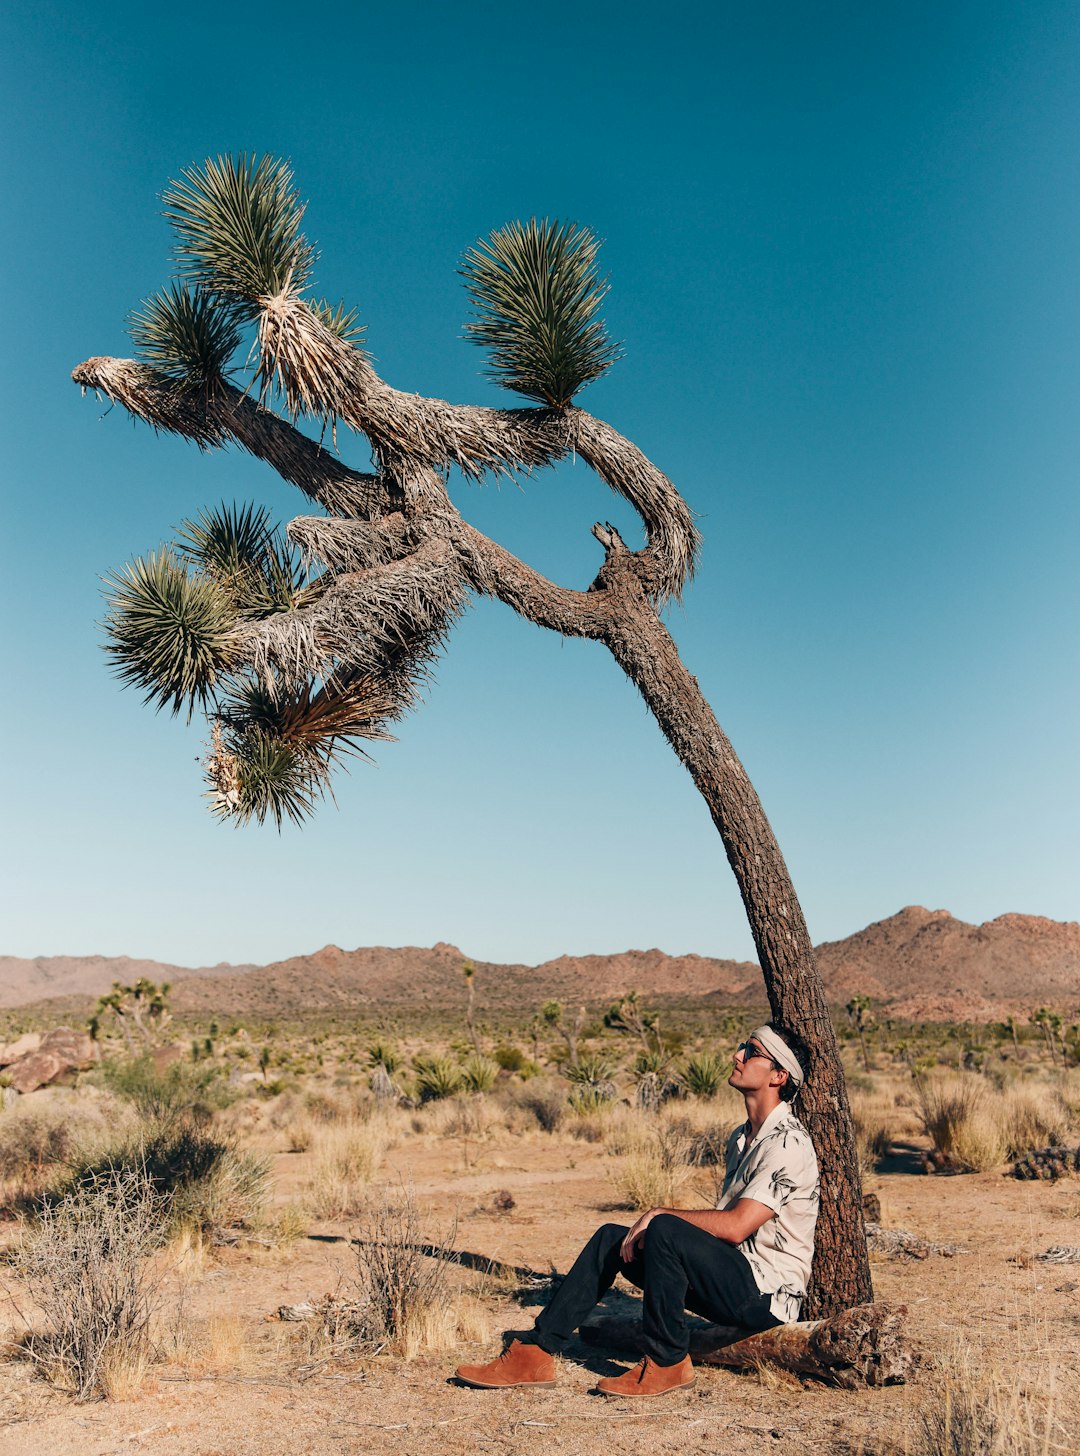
column 1035, row 1117
column 875, row 1118
column 963, row 1120
column 653, row 1169
column 974, row 1413
column 225, row 1344
column 345, row 1157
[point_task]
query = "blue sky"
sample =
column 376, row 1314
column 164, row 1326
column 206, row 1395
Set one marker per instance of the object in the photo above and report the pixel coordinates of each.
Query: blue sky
column 844, row 250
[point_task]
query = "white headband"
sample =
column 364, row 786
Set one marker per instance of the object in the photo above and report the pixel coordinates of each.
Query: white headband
column 780, row 1052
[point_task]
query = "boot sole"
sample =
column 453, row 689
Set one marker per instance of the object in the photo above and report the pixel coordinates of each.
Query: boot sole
column 644, row 1394
column 506, row 1384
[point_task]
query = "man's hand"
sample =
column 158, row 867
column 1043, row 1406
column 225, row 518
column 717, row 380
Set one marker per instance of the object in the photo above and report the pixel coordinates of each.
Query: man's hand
column 637, row 1235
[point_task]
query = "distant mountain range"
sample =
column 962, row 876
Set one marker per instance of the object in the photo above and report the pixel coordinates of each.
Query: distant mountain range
column 923, row 964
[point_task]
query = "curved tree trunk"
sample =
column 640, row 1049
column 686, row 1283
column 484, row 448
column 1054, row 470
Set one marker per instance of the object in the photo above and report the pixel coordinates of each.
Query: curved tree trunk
column 645, row 651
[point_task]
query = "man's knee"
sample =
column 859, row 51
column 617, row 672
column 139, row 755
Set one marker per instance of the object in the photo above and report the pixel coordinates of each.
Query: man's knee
column 608, row 1235
column 664, row 1228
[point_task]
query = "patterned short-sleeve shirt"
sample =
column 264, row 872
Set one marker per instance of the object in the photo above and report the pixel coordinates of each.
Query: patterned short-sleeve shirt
column 780, row 1169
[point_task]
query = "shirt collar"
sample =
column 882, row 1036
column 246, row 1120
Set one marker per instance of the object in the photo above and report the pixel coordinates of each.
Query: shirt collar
column 780, row 1113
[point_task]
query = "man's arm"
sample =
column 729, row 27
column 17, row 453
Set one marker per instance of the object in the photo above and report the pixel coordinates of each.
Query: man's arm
column 733, row 1225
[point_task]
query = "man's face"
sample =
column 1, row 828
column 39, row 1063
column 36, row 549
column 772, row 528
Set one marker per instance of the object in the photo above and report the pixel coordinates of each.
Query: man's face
column 753, row 1068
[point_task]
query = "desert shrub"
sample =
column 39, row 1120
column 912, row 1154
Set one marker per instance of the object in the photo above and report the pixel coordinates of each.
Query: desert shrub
column 399, row 1296
column 511, row 1058
column 874, row 1115
column 464, row 1117
column 34, row 1140
column 38, row 1136
column 345, row 1157
column 299, row 1133
column 161, row 1095
column 592, row 1089
column 588, row 1101
column 204, row 1182
column 436, row 1077
column 384, row 1054
column 1035, row 1117
column 84, row 1263
column 478, row 1073
column 706, row 1148
column 959, row 1117
column 547, row 1105
column 704, row 1074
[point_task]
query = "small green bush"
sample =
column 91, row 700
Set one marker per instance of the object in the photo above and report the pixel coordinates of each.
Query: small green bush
column 704, row 1074
column 436, row 1077
column 478, row 1074
column 510, row 1058
column 178, row 1090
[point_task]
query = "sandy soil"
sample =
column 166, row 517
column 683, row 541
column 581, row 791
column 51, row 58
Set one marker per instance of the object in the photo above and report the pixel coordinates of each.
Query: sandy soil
column 1016, row 1316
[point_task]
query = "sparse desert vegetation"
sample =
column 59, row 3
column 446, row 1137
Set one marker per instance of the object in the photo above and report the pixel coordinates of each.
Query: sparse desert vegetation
column 462, row 1166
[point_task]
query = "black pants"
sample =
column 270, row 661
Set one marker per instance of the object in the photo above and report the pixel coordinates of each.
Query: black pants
column 679, row 1267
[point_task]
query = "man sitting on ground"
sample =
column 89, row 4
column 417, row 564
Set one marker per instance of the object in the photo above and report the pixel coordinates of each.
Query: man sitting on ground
column 744, row 1263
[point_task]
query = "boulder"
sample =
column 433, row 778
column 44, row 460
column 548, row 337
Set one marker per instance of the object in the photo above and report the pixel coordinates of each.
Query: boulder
column 35, row 1070
column 78, row 1048
column 61, row 1050
column 28, row 1042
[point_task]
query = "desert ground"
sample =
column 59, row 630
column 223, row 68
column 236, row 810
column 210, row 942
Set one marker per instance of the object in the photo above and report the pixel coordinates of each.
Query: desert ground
column 225, row 1375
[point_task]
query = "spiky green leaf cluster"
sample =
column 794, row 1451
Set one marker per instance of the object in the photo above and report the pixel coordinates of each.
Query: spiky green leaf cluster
column 255, row 775
column 537, row 297
column 239, row 549
column 275, row 748
column 171, row 624
column 168, row 630
column 238, row 221
column 345, row 322
column 186, row 333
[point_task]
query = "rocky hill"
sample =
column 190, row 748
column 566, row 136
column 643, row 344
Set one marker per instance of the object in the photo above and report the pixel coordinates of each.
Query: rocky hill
column 23, row 981
column 924, row 964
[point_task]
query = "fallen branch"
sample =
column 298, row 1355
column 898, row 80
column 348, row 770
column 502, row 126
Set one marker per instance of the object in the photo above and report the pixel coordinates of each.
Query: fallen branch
column 902, row 1244
column 852, row 1350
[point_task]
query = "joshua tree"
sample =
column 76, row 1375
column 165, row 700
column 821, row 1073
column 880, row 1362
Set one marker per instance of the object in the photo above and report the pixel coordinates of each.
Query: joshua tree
column 297, row 661
column 468, row 970
column 143, row 1006
column 1050, row 1023
column 553, row 1015
column 861, row 1017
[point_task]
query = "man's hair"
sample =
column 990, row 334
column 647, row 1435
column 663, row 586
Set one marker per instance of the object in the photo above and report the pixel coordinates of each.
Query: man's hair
column 799, row 1050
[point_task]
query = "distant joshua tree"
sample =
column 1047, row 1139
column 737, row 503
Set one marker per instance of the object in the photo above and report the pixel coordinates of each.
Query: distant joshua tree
column 302, row 648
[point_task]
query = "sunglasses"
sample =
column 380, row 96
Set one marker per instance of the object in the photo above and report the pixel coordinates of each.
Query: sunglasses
column 749, row 1050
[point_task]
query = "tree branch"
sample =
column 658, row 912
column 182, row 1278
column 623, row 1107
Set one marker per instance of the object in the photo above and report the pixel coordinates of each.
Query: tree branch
column 493, row 571
column 365, row 621
column 214, row 417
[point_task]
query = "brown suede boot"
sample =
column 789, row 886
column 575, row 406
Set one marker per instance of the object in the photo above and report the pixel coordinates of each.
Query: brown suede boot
column 517, row 1365
column 649, row 1378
